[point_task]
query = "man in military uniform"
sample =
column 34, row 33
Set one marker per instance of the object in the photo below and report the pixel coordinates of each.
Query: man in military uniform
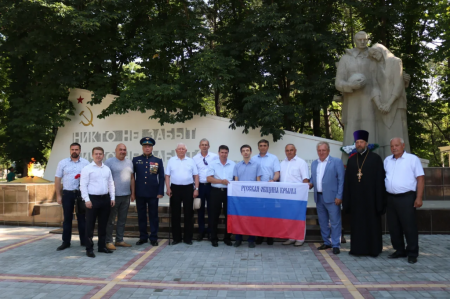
column 149, row 188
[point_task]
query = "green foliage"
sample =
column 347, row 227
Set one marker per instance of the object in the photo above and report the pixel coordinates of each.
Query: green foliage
column 263, row 64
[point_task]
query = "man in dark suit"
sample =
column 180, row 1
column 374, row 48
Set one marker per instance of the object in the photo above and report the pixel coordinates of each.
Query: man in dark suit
column 327, row 178
column 149, row 188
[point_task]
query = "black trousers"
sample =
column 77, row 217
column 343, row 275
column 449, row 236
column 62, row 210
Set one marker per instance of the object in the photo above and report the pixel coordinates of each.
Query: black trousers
column 218, row 201
column 101, row 207
column 69, row 199
column 182, row 194
column 401, row 219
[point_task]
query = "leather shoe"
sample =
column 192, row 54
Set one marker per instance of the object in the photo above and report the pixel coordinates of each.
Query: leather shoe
column 251, row 245
column 141, row 241
column 82, row 244
column 122, row 244
column 288, row 242
column 336, row 250
column 214, row 244
column 237, row 243
column 228, row 242
column 200, row 236
column 259, row 240
column 176, row 242
column 154, row 243
column 188, row 242
column 90, row 254
column 63, row 246
column 269, row 241
column 110, row 246
column 412, row 260
column 396, row 255
column 105, row 250
column 323, row 247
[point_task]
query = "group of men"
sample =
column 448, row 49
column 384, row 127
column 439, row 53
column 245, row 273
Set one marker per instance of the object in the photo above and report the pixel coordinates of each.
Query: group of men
column 365, row 190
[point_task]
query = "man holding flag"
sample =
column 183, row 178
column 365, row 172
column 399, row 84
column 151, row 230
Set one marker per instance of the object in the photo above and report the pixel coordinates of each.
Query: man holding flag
column 248, row 171
column 294, row 170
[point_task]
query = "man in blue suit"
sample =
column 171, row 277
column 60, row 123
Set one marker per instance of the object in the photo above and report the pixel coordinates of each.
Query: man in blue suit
column 327, row 178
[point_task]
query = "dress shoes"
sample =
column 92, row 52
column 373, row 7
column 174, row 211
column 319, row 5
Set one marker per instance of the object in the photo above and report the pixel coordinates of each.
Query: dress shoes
column 188, row 242
column 299, row 243
column 105, row 250
column 110, row 246
column 122, row 244
column 154, row 243
column 63, row 246
column 288, row 242
column 200, row 236
column 336, row 250
column 323, row 247
column 214, row 244
column 269, row 241
column 141, row 241
column 176, row 242
column 237, row 243
column 412, row 260
column 396, row 255
column 251, row 245
column 259, row 240
column 82, row 244
column 228, row 242
column 90, row 254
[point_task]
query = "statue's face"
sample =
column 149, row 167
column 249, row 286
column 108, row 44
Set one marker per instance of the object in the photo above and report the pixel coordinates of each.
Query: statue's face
column 376, row 55
column 361, row 41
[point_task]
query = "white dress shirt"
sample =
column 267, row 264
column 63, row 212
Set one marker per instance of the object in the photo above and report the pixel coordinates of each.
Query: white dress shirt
column 96, row 180
column 294, row 171
column 201, row 166
column 402, row 173
column 320, row 172
column 181, row 172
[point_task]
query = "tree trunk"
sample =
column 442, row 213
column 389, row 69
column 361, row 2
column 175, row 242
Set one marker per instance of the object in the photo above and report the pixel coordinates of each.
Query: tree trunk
column 217, row 101
column 327, row 123
column 316, row 123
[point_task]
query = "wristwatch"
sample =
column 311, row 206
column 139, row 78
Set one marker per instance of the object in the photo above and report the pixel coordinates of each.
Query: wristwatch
column 196, row 189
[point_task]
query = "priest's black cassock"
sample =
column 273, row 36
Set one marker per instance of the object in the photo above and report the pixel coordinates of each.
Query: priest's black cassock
column 366, row 202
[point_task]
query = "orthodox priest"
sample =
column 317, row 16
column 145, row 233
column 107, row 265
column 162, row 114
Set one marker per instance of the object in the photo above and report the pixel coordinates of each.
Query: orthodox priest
column 364, row 198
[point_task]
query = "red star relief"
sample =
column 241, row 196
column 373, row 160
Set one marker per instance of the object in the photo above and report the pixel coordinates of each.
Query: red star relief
column 80, row 100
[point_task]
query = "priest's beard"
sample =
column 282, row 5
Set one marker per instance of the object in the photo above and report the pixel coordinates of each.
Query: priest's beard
column 74, row 155
column 360, row 150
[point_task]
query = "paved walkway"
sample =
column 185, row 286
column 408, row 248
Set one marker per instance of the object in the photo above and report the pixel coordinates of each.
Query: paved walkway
column 30, row 267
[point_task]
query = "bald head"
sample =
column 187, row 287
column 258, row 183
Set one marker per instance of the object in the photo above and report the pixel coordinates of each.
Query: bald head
column 121, row 151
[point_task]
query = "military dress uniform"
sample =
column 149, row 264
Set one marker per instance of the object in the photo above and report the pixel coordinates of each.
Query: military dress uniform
column 149, row 177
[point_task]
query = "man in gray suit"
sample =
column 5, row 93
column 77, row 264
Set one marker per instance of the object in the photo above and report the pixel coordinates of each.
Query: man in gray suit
column 327, row 178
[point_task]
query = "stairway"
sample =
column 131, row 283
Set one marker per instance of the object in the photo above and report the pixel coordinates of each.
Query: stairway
column 132, row 228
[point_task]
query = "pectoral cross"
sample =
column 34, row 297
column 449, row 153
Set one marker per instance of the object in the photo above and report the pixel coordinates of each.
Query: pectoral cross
column 359, row 175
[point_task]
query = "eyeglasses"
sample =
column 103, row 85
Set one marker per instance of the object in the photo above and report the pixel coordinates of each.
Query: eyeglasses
column 204, row 161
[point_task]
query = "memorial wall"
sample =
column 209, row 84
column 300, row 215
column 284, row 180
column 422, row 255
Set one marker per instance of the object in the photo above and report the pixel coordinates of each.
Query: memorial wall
column 90, row 131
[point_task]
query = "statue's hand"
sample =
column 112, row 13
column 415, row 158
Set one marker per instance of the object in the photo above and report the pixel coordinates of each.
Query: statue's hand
column 357, row 85
column 386, row 108
column 406, row 78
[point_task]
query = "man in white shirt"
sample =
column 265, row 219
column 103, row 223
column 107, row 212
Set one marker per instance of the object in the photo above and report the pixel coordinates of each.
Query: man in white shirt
column 98, row 193
column 68, row 173
column 405, row 183
column 293, row 170
column 203, row 159
column 182, row 187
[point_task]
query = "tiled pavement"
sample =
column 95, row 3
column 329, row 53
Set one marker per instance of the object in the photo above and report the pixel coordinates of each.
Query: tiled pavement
column 30, row 267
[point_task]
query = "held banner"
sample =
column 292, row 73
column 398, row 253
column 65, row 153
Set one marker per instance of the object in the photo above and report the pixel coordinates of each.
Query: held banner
column 267, row 209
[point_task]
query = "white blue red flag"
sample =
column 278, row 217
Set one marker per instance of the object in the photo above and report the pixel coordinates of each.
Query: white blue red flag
column 267, row 209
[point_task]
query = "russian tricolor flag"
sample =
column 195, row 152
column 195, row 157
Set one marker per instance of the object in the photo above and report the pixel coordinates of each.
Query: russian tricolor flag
column 267, row 209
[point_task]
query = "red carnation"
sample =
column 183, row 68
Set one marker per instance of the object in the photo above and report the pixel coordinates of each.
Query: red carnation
column 77, row 176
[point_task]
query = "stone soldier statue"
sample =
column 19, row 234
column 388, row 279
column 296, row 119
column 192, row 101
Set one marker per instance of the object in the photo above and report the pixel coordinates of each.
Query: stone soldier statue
column 354, row 80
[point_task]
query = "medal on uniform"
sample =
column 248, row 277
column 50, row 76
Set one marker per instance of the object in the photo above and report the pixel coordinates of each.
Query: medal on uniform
column 153, row 167
column 360, row 174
